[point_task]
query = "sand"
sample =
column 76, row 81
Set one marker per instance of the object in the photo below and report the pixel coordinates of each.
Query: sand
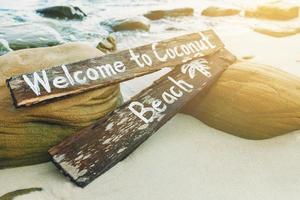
column 283, row 53
column 187, row 160
column 180, row 163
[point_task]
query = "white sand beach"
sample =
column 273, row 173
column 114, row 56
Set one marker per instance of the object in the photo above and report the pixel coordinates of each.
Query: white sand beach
column 187, row 159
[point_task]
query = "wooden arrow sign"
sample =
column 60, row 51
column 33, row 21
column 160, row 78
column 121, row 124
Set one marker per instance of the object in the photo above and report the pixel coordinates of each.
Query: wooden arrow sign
column 68, row 79
column 95, row 149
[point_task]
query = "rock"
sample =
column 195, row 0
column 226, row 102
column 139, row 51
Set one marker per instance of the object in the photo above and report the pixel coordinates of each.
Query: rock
column 252, row 101
column 136, row 23
column 274, row 11
column 179, row 12
column 29, row 36
column 248, row 57
column 19, row 19
column 4, row 47
column 219, row 11
column 174, row 29
column 17, row 193
column 28, row 133
column 277, row 31
column 62, row 12
column 108, row 44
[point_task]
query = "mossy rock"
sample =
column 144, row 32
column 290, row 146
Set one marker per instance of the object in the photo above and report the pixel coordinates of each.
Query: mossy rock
column 26, row 134
column 22, row 36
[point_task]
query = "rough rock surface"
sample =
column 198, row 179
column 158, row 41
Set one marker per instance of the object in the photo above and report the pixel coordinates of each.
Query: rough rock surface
column 274, row 11
column 29, row 36
column 62, row 12
column 129, row 24
column 219, row 11
column 277, row 31
column 26, row 134
column 107, row 44
column 251, row 101
column 179, row 12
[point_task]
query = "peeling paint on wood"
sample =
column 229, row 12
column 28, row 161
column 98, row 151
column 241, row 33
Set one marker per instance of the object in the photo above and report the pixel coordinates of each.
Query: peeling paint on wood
column 74, row 78
column 95, row 149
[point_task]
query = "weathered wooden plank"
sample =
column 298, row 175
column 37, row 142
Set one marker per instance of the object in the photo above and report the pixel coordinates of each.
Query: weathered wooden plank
column 31, row 88
column 95, row 149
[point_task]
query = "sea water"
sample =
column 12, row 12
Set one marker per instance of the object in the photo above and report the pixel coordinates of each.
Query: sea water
column 92, row 30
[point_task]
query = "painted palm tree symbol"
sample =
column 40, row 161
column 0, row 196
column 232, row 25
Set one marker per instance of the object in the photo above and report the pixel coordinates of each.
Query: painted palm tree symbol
column 198, row 65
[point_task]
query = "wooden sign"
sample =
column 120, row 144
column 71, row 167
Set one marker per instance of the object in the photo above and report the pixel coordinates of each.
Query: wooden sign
column 68, row 79
column 97, row 148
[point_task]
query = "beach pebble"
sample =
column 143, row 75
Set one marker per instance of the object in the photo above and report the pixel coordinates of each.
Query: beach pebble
column 107, row 44
column 171, row 28
column 275, row 11
column 214, row 11
column 62, row 12
column 29, row 36
column 179, row 12
column 277, row 31
column 247, row 57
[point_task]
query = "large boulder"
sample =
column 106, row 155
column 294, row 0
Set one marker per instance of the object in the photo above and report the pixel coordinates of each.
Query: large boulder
column 129, row 24
column 274, row 11
column 29, row 36
column 26, row 134
column 178, row 12
column 214, row 11
column 62, row 12
column 250, row 100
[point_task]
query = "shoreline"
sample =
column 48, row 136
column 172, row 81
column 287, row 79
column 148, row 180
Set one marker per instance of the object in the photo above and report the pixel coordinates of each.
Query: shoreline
column 198, row 142
column 186, row 159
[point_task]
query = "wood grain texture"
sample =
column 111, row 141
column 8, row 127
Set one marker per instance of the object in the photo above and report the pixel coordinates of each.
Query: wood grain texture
column 23, row 95
column 95, row 149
